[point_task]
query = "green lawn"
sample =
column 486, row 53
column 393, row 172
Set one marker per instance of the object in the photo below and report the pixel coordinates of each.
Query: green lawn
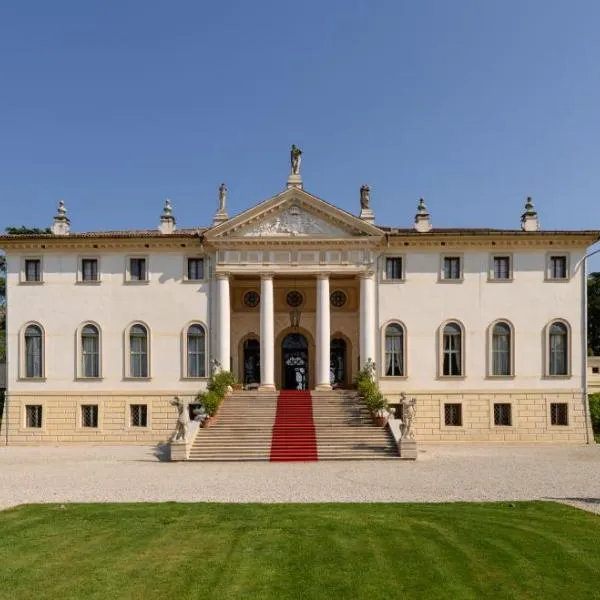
column 346, row 551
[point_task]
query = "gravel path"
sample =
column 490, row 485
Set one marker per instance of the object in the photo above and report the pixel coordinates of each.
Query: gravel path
column 467, row 472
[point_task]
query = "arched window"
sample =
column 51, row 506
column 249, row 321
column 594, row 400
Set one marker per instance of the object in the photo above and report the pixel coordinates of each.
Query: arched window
column 138, row 351
column 90, row 351
column 558, row 346
column 501, row 349
column 452, row 350
column 394, row 350
column 196, row 351
column 34, row 351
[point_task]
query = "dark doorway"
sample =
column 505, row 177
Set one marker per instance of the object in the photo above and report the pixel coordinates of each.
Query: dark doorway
column 337, row 362
column 251, row 361
column 294, row 350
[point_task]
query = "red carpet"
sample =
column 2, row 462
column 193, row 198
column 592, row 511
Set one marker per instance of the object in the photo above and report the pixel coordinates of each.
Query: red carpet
column 294, row 430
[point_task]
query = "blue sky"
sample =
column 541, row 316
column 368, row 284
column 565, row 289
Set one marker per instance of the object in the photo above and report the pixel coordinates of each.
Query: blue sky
column 115, row 105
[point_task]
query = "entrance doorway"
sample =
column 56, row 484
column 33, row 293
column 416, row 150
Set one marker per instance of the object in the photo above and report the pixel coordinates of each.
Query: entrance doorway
column 294, row 359
column 251, row 361
column 338, row 355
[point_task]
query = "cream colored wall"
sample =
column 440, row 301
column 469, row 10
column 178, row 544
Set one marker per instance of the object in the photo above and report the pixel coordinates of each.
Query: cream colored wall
column 422, row 304
column 61, row 305
column 593, row 378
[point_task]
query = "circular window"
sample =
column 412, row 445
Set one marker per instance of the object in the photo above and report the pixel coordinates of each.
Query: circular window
column 294, row 299
column 338, row 298
column 251, row 299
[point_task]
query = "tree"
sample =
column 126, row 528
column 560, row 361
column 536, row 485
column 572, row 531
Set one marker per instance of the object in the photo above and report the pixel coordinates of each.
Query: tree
column 594, row 313
column 27, row 230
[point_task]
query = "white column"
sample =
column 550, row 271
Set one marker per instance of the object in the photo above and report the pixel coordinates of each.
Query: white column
column 224, row 321
column 368, row 329
column 267, row 333
column 323, row 332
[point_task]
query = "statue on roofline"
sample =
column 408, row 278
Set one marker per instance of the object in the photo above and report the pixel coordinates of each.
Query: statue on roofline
column 295, row 159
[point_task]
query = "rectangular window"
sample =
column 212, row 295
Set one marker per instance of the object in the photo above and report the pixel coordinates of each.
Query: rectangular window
column 393, row 267
column 502, row 415
column 139, row 415
column 195, row 269
column 33, row 269
column 559, row 413
column 89, row 269
column 33, row 416
column 452, row 268
column 89, row 415
column 137, row 269
column 558, row 267
column 595, row 370
column 453, row 415
column 502, row 267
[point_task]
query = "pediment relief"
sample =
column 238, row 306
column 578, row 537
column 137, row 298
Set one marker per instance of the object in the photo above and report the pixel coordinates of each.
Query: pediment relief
column 294, row 214
column 293, row 222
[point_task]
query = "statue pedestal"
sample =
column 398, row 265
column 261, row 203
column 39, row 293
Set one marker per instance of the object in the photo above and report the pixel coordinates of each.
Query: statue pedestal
column 407, row 449
column 294, row 181
column 366, row 214
column 178, row 450
column 220, row 217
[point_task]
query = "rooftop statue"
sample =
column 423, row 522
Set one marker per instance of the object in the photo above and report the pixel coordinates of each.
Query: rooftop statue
column 295, row 159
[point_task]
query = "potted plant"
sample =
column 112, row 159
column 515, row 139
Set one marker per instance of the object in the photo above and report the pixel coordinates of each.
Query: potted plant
column 379, row 407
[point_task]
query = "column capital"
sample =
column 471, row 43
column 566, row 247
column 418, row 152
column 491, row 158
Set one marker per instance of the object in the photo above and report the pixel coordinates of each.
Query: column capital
column 222, row 275
column 323, row 275
column 366, row 274
column 267, row 275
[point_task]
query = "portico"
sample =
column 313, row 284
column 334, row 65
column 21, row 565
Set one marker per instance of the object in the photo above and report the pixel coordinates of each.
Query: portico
column 306, row 332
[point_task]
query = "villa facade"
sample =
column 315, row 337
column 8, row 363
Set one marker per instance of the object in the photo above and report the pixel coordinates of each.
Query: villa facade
column 484, row 327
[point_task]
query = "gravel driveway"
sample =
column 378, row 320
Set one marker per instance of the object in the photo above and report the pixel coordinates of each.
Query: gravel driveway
column 468, row 472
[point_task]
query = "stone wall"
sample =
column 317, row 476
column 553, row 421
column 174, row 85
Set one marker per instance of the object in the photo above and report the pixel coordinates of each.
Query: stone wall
column 62, row 419
column 530, row 417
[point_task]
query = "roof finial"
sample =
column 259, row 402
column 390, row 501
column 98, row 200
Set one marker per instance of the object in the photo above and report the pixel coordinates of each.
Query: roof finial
column 422, row 218
column 61, row 224
column 167, row 220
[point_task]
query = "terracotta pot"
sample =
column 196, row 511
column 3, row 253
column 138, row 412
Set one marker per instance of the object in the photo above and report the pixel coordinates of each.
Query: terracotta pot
column 380, row 421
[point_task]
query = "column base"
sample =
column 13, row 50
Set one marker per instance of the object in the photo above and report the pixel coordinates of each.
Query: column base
column 266, row 387
column 322, row 387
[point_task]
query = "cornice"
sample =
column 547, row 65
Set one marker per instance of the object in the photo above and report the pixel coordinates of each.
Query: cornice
column 102, row 244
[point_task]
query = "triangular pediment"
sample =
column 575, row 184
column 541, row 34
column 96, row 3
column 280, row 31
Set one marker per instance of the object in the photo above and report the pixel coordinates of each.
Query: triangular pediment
column 293, row 214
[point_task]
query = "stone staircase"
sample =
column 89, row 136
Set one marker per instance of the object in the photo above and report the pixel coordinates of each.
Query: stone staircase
column 242, row 429
column 345, row 430
column 244, row 426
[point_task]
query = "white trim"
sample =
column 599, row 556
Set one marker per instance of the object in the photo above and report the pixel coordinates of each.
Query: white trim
column 79, row 352
column 22, row 270
column 78, row 415
column 461, row 258
column 546, row 349
column 547, row 270
column 127, row 278
column 404, row 350
column 184, row 351
column 22, row 358
column 440, row 341
column 443, row 426
column 490, row 346
column 383, row 270
column 203, row 258
column 127, row 347
column 491, row 270
column 80, row 280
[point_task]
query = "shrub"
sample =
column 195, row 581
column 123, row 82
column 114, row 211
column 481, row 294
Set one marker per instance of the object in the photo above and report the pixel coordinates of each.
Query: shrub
column 220, row 382
column 211, row 402
column 595, row 411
